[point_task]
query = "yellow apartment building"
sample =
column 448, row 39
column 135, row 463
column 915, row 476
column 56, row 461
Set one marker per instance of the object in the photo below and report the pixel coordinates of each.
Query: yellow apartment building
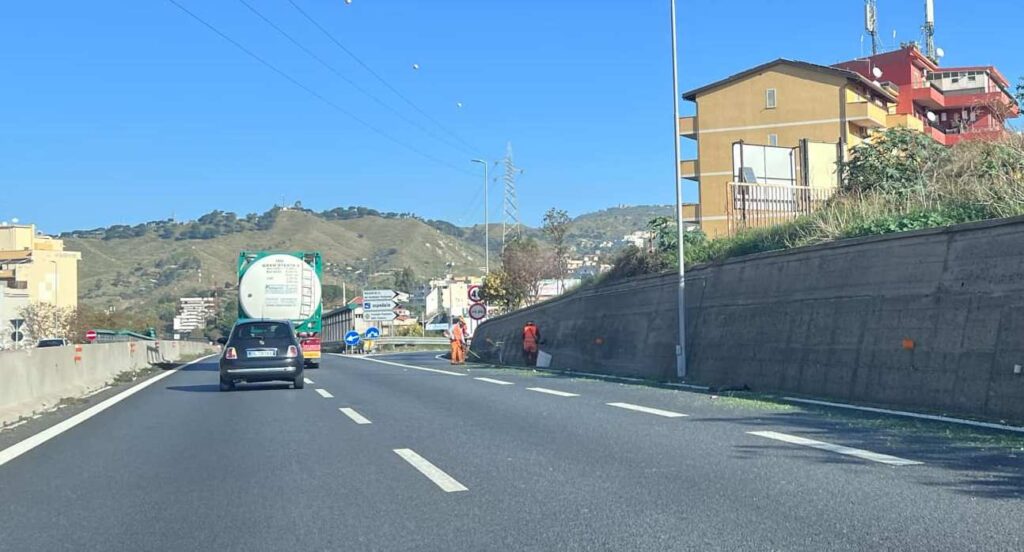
column 783, row 124
column 39, row 265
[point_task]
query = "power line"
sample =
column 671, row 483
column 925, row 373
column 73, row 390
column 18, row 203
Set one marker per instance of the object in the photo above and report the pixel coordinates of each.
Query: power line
column 351, row 82
column 314, row 93
column 383, row 81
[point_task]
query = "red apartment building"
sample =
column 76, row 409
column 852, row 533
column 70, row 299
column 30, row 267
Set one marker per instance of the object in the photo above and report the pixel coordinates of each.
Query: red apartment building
column 951, row 103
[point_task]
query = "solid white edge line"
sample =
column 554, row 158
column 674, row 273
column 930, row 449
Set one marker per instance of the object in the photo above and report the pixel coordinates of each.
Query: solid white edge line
column 495, row 381
column 839, row 449
column 446, row 482
column 355, row 416
column 648, row 410
column 21, row 447
column 552, row 392
column 308, row 381
column 434, row 370
column 325, row 394
column 932, row 417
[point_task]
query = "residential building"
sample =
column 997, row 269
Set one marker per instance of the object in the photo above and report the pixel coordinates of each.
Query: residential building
column 781, row 124
column 450, row 295
column 39, row 265
column 13, row 298
column 949, row 104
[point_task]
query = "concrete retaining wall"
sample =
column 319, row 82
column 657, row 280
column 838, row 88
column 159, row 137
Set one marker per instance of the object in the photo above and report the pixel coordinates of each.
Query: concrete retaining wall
column 930, row 320
column 36, row 379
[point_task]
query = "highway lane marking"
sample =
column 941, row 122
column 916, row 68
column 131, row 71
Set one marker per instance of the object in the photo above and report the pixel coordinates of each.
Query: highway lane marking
column 447, row 483
column 859, row 453
column 495, row 381
column 655, row 411
column 21, row 447
column 434, row 370
column 355, row 416
column 308, row 381
column 552, row 392
column 325, row 394
column 946, row 419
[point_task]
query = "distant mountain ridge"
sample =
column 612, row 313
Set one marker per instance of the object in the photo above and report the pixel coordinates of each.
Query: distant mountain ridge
column 148, row 266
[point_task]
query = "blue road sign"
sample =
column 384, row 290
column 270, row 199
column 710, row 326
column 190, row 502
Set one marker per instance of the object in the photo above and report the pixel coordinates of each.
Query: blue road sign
column 352, row 338
column 372, row 332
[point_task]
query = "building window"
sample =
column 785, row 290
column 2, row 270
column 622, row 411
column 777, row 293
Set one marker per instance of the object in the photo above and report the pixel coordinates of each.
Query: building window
column 769, row 99
column 773, row 139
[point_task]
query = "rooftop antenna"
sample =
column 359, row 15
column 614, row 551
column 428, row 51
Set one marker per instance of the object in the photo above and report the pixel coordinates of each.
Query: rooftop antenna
column 871, row 24
column 929, row 30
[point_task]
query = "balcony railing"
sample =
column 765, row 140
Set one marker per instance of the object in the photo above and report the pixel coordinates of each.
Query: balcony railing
column 761, row 205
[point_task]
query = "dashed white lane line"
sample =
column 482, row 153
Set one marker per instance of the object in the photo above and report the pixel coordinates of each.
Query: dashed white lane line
column 447, row 483
column 655, row 411
column 494, row 381
column 308, row 381
column 325, row 394
column 355, row 416
column 859, row 453
column 16, row 450
column 552, row 392
column 434, row 370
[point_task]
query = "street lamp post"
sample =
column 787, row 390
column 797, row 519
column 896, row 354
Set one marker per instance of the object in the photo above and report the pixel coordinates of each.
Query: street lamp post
column 681, row 294
column 487, row 226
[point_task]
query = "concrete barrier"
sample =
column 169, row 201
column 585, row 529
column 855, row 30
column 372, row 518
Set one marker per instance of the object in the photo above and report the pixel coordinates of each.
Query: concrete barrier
column 929, row 320
column 32, row 380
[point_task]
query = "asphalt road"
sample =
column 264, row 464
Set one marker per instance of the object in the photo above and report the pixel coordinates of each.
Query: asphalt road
column 515, row 461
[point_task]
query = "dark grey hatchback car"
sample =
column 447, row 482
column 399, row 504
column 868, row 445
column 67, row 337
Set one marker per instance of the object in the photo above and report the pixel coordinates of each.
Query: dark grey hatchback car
column 261, row 350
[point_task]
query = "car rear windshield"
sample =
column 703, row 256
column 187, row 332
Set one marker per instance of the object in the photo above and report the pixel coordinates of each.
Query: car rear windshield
column 263, row 330
column 51, row 343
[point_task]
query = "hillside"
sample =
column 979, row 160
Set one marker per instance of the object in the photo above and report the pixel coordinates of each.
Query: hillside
column 150, row 272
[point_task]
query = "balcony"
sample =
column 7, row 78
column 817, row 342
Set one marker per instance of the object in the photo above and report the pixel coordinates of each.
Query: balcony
column 905, row 120
column 688, row 169
column 928, row 96
column 688, row 127
column 866, row 114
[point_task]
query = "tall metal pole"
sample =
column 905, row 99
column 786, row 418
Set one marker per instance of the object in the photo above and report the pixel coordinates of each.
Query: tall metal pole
column 681, row 298
column 487, row 225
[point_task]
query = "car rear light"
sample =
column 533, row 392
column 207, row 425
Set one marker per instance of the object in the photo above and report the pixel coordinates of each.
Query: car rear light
column 231, row 354
column 293, row 351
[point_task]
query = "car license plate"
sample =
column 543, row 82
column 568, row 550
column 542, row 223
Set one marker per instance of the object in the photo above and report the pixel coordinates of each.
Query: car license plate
column 260, row 353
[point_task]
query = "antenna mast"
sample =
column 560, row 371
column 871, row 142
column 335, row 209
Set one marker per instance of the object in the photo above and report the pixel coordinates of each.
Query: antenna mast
column 510, row 223
column 871, row 24
column 929, row 30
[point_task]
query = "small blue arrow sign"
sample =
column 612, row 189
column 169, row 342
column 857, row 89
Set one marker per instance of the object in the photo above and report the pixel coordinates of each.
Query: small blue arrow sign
column 372, row 332
column 352, row 338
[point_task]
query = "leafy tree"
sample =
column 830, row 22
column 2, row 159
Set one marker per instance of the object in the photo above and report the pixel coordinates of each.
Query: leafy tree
column 517, row 283
column 332, row 294
column 892, row 163
column 405, row 280
column 556, row 226
column 1020, row 91
column 44, row 320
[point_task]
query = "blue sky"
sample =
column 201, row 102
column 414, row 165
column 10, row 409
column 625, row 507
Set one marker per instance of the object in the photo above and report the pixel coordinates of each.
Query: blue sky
column 122, row 112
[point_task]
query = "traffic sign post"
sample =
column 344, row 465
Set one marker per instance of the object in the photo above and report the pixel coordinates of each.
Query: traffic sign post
column 476, row 294
column 90, row 336
column 352, row 338
column 478, row 311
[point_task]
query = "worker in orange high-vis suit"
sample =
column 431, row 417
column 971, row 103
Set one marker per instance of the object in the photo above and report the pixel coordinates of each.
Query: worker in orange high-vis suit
column 531, row 338
column 458, row 339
